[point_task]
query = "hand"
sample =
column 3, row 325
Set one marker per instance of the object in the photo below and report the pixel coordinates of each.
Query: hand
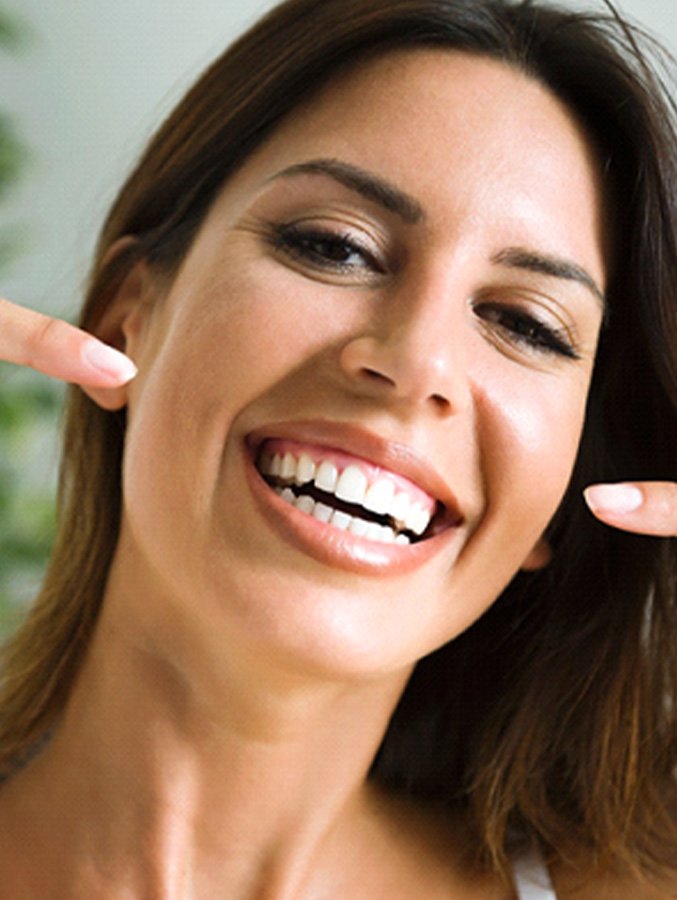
column 645, row 507
column 56, row 348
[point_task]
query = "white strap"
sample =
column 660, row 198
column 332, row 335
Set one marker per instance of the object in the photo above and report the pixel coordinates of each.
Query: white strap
column 532, row 880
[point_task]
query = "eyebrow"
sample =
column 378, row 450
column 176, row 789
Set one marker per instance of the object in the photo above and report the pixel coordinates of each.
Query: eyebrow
column 380, row 191
column 365, row 183
column 545, row 264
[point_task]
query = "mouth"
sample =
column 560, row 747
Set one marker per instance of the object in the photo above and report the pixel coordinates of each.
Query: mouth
column 351, row 494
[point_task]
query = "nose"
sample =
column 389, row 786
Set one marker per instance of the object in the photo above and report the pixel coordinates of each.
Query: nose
column 414, row 356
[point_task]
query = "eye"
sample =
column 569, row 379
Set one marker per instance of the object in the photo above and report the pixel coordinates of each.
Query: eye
column 525, row 329
column 322, row 248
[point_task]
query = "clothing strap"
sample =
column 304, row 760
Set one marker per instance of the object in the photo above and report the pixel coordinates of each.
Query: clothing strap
column 532, row 879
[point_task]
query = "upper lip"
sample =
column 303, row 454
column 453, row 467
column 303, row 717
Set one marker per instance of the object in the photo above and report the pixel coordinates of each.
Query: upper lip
column 360, row 442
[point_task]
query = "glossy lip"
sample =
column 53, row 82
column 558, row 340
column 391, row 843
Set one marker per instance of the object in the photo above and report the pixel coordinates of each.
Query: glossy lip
column 338, row 548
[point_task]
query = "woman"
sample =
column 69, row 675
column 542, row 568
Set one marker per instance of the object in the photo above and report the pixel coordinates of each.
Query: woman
column 397, row 281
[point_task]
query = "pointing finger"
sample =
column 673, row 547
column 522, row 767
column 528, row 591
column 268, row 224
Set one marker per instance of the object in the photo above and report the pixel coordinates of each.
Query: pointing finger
column 644, row 507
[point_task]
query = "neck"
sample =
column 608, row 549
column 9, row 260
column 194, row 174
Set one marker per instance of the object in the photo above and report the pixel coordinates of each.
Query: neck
column 174, row 780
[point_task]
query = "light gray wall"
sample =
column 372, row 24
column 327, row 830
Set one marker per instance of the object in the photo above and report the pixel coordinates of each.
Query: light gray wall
column 86, row 92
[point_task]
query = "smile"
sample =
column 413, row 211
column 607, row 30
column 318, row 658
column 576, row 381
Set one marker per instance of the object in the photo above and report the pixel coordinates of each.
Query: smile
column 349, row 494
column 350, row 498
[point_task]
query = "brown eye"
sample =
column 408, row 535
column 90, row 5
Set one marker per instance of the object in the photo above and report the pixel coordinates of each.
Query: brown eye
column 325, row 249
column 524, row 328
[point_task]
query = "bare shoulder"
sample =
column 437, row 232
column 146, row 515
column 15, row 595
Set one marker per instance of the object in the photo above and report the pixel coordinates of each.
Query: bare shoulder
column 574, row 885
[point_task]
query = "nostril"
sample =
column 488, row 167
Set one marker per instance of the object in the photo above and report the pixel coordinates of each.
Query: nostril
column 441, row 402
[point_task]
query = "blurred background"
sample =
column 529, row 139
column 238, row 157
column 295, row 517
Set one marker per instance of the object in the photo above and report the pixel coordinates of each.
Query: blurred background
column 83, row 83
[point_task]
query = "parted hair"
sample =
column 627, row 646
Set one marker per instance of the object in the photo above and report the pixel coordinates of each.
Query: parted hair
column 554, row 714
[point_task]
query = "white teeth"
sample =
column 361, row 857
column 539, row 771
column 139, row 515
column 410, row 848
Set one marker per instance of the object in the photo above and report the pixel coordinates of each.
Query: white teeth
column 379, row 496
column 322, row 512
column 326, row 477
column 358, row 527
column 305, row 503
column 340, row 520
column 288, row 467
column 399, row 508
column 418, row 518
column 387, row 534
column 305, row 469
column 423, row 522
column 352, row 485
column 373, row 531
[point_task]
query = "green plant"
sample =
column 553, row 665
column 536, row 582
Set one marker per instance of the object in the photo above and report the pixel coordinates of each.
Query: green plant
column 28, row 413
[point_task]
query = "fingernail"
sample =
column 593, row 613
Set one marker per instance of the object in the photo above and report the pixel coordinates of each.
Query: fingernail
column 109, row 361
column 614, row 498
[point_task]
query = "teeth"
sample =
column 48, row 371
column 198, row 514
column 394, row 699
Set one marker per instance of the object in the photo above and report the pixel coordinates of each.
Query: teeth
column 305, row 503
column 352, row 485
column 387, row 534
column 305, row 469
column 358, row 527
column 379, row 496
column 288, row 467
column 417, row 519
column 322, row 512
column 373, row 531
column 326, row 477
column 340, row 520
column 399, row 508
column 336, row 517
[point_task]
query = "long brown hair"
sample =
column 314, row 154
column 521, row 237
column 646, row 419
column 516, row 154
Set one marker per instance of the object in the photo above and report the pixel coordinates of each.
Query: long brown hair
column 554, row 714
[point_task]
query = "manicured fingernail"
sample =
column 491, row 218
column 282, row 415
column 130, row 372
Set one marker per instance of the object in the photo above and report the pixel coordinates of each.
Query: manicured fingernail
column 109, row 361
column 614, row 498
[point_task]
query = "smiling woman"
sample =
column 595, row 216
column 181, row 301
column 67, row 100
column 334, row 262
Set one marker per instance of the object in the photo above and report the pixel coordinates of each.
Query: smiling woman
column 327, row 615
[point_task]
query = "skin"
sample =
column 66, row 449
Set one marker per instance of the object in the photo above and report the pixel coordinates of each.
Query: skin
column 238, row 686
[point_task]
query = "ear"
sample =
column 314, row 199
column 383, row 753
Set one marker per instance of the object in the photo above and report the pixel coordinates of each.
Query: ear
column 122, row 324
column 538, row 557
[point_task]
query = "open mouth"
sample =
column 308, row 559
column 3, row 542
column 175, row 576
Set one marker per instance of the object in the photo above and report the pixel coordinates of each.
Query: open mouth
column 351, row 495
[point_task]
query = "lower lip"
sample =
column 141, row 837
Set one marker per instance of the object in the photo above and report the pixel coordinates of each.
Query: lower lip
column 334, row 547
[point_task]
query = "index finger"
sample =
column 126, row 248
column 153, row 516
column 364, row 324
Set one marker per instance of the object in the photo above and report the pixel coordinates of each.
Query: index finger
column 55, row 348
column 643, row 507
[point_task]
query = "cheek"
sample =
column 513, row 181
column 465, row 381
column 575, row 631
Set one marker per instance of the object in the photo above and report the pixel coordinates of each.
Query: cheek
column 256, row 328
column 533, row 423
column 221, row 346
column 528, row 429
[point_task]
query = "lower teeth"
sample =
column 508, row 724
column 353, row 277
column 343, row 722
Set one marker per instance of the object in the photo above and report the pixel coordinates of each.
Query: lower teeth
column 353, row 524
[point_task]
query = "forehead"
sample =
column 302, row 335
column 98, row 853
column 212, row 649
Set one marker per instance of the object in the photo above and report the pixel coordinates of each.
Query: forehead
column 435, row 102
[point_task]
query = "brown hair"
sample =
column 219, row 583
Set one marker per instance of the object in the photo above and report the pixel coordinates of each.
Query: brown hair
column 554, row 714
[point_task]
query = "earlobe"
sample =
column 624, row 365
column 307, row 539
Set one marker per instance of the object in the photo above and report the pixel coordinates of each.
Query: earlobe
column 110, row 399
column 538, row 557
column 122, row 324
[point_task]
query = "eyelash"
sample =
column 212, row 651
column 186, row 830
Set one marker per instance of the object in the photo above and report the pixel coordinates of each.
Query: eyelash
column 315, row 246
column 528, row 330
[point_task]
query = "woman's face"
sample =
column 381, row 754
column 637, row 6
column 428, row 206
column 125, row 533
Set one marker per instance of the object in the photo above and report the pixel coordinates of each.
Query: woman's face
column 401, row 290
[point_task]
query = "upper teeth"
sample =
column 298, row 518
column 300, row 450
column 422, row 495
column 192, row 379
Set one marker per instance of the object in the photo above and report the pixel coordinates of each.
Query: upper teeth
column 352, row 485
